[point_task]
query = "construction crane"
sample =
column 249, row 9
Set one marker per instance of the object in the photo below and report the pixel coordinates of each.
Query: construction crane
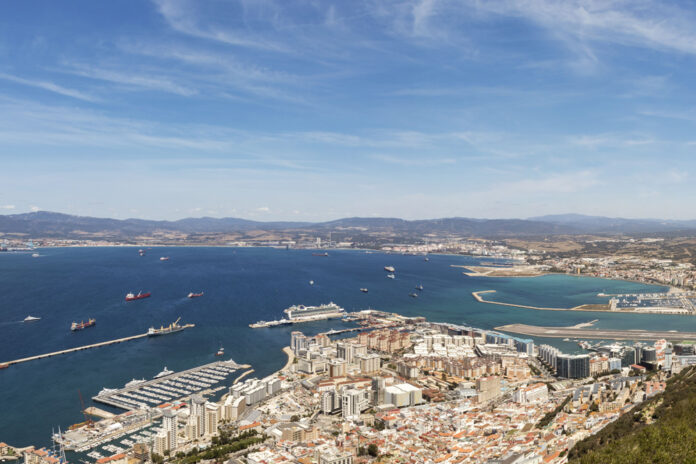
column 88, row 421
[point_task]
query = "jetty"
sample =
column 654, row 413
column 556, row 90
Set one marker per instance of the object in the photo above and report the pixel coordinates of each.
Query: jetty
column 79, row 348
column 614, row 334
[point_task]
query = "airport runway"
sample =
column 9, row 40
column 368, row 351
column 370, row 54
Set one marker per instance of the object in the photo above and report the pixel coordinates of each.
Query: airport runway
column 571, row 332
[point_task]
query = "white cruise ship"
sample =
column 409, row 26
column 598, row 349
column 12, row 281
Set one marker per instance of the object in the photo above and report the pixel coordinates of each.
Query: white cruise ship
column 308, row 312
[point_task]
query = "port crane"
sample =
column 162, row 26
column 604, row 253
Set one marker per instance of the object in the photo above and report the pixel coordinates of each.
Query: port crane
column 88, row 421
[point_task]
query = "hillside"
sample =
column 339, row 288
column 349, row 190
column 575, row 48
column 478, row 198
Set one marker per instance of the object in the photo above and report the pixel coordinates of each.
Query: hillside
column 660, row 430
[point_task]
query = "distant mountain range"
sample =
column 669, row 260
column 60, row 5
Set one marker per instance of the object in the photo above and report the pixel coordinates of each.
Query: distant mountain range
column 58, row 225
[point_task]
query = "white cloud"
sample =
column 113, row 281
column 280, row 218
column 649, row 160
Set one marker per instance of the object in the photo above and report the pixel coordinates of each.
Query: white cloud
column 263, row 209
column 35, row 208
column 49, row 86
column 8, row 207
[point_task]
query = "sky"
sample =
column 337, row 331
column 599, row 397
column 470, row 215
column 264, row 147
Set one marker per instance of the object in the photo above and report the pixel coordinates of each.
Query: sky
column 316, row 110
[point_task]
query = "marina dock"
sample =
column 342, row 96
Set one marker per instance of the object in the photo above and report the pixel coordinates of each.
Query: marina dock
column 79, row 348
column 173, row 387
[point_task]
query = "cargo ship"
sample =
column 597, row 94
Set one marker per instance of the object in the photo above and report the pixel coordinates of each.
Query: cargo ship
column 83, row 325
column 139, row 296
column 171, row 328
column 195, row 295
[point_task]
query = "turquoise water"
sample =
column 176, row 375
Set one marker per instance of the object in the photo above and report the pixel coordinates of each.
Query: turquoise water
column 241, row 286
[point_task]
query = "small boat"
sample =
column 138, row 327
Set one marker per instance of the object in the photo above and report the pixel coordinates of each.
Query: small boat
column 164, row 258
column 320, row 254
column 426, row 259
column 413, row 295
column 391, row 276
column 35, row 255
column 389, row 269
column 31, row 319
column 82, row 325
column 419, row 287
column 139, row 296
column 311, row 282
column 364, row 290
column 220, row 352
column 195, row 295
column 164, row 373
column 141, row 252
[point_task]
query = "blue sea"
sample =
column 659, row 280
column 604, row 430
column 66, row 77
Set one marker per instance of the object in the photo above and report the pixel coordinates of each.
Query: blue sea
column 241, row 286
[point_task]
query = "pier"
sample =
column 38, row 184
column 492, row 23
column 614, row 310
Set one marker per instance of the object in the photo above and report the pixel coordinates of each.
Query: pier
column 176, row 386
column 79, row 348
column 614, row 334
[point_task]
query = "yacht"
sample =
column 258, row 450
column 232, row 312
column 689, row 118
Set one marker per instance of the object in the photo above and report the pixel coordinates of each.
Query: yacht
column 164, row 373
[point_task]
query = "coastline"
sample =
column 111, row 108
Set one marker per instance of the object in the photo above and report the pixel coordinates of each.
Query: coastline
column 585, row 307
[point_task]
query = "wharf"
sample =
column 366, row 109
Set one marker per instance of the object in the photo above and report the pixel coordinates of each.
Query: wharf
column 174, row 387
column 614, row 334
column 80, row 348
column 264, row 324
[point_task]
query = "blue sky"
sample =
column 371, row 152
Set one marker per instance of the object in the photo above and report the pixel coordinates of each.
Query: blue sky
column 314, row 110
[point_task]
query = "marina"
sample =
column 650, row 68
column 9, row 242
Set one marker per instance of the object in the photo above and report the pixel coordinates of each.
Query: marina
column 175, row 386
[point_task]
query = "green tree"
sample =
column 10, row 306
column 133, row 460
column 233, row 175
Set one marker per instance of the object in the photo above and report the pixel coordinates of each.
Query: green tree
column 372, row 450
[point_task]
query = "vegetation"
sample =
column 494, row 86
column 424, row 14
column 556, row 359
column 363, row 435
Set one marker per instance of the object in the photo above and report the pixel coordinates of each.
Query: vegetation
column 549, row 416
column 661, row 429
column 222, row 445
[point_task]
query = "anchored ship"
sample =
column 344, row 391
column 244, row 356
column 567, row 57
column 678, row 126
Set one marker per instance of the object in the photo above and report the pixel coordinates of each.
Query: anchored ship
column 83, row 325
column 139, row 296
column 171, row 328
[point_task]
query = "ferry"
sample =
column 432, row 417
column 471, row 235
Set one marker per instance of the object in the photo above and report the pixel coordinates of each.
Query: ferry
column 171, row 328
column 164, row 258
column 220, row 352
column 31, row 319
column 195, row 295
column 391, row 276
column 83, row 325
column 301, row 311
column 389, row 269
column 164, row 373
column 364, row 290
column 139, row 296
